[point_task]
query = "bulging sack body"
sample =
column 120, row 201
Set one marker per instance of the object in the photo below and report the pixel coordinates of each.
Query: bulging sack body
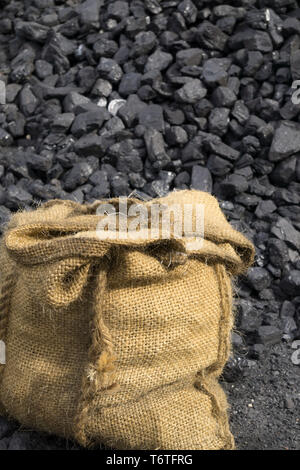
column 118, row 341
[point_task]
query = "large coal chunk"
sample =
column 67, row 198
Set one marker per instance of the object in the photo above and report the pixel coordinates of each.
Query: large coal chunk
column 191, row 92
column 90, row 144
column 89, row 13
column 215, row 71
column 110, row 70
column 144, row 42
column 286, row 141
column 211, row 36
column 87, row 122
column 32, row 31
column 159, row 60
column 201, row 179
column 290, row 284
column 259, row 278
column 156, row 148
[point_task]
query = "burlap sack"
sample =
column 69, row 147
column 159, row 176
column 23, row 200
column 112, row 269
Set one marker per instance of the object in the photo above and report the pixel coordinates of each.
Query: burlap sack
column 118, row 342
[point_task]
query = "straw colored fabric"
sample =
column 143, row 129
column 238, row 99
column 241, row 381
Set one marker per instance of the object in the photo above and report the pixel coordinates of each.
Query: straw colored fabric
column 118, row 342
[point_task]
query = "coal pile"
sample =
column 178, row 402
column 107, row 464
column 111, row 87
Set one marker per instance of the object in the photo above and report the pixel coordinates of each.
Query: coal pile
column 105, row 98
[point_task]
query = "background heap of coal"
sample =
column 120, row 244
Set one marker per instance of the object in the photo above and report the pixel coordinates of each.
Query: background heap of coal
column 206, row 92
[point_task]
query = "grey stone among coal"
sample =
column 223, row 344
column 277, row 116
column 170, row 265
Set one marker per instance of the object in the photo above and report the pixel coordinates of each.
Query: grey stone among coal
column 215, row 71
column 159, row 60
column 201, row 179
column 269, row 335
column 130, row 83
column 110, row 70
column 191, row 92
column 259, row 278
column 286, row 141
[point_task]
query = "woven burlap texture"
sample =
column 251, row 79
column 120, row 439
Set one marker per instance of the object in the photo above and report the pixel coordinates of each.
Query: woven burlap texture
column 119, row 341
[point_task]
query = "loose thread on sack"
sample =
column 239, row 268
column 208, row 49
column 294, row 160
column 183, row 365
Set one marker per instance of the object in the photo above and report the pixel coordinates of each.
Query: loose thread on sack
column 100, row 375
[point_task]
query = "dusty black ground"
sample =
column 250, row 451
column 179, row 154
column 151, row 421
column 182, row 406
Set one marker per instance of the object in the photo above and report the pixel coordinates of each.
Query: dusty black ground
column 265, row 403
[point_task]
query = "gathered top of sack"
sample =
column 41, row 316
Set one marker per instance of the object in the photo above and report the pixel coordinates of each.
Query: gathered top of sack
column 59, row 228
